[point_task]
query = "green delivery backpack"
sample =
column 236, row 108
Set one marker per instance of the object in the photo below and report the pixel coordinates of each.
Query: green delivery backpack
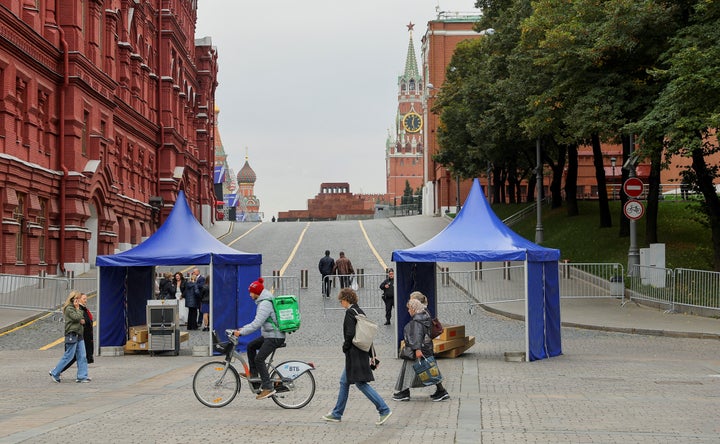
column 287, row 313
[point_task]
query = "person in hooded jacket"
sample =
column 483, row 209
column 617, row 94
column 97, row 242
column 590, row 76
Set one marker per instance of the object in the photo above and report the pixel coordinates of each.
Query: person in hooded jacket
column 417, row 344
column 272, row 338
column 358, row 368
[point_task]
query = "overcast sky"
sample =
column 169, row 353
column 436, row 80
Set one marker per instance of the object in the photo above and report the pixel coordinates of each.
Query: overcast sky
column 310, row 88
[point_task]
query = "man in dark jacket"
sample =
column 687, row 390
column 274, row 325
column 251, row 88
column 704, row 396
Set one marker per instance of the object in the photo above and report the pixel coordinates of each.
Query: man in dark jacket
column 343, row 268
column 388, row 297
column 325, row 267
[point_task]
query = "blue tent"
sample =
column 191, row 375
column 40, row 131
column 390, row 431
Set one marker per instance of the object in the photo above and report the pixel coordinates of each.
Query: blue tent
column 478, row 235
column 126, row 280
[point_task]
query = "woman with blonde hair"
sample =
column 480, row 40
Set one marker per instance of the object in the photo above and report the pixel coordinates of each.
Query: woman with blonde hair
column 74, row 344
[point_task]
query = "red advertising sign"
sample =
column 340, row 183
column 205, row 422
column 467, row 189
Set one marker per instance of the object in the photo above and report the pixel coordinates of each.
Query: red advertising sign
column 633, row 187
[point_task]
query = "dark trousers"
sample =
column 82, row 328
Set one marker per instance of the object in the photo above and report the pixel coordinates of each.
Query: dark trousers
column 192, row 323
column 345, row 280
column 326, row 285
column 389, row 304
column 257, row 351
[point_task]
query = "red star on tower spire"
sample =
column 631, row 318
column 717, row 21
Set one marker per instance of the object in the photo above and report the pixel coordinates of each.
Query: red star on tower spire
column 410, row 26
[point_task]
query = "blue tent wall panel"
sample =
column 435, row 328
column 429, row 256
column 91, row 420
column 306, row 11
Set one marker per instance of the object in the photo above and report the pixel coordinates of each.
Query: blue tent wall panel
column 112, row 309
column 552, row 302
column 413, row 276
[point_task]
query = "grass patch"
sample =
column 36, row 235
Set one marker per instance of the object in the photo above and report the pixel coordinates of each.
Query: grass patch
column 579, row 238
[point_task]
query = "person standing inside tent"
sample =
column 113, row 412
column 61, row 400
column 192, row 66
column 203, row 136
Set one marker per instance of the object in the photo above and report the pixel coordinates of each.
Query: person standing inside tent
column 343, row 268
column 199, row 284
column 326, row 266
column 191, row 296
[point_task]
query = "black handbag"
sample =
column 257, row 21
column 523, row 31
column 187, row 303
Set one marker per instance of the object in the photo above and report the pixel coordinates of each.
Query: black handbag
column 72, row 338
column 407, row 353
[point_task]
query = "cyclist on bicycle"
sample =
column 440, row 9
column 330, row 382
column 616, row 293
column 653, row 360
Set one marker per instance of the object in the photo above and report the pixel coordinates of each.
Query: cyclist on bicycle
column 259, row 349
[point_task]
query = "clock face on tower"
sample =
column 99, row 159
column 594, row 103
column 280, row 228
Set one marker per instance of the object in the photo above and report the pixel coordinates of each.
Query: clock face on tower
column 412, row 122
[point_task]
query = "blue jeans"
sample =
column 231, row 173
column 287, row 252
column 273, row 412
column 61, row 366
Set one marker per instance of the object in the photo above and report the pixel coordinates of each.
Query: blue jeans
column 366, row 389
column 76, row 350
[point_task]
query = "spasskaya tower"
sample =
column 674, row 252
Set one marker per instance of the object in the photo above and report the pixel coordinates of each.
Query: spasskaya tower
column 404, row 149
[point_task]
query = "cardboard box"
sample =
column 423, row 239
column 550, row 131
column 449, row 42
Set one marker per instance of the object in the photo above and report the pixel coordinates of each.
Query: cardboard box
column 455, row 352
column 185, row 336
column 440, row 346
column 139, row 333
column 452, row 332
column 131, row 346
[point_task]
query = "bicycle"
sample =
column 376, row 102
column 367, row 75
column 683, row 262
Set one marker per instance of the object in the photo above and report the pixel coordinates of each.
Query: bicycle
column 216, row 383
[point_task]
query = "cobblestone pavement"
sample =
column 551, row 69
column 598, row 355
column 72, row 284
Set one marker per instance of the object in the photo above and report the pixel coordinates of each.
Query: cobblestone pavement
column 606, row 388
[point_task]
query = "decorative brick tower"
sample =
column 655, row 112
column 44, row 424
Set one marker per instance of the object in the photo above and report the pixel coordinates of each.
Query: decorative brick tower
column 248, row 205
column 404, row 153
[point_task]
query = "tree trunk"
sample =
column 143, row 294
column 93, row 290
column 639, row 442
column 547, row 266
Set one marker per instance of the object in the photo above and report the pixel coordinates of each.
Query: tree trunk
column 624, row 221
column 712, row 202
column 556, row 183
column 571, row 181
column 605, row 217
column 651, row 215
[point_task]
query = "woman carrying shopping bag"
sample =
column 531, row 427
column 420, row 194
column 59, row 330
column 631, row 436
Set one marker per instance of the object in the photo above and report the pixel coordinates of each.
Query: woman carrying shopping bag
column 418, row 345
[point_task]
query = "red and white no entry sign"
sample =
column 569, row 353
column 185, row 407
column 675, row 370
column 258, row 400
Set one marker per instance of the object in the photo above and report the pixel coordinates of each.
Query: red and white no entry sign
column 633, row 187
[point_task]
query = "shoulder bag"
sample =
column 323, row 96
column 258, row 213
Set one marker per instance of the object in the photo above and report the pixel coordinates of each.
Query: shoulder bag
column 365, row 332
column 436, row 328
column 72, row 338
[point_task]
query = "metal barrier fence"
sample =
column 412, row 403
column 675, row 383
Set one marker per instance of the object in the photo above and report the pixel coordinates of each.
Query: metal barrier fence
column 676, row 288
column 697, row 288
column 653, row 284
column 592, row 280
column 369, row 293
column 282, row 285
column 41, row 293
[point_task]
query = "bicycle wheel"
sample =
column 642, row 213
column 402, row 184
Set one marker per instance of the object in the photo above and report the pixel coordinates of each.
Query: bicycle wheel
column 293, row 394
column 215, row 387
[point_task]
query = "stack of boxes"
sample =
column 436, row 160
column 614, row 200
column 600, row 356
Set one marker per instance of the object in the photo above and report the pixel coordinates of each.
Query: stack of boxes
column 452, row 342
column 137, row 339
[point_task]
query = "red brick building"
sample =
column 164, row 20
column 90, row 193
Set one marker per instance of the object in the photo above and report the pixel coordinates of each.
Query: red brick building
column 335, row 201
column 404, row 152
column 440, row 192
column 106, row 114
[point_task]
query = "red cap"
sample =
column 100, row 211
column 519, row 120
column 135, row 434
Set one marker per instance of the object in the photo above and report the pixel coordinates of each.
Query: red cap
column 257, row 287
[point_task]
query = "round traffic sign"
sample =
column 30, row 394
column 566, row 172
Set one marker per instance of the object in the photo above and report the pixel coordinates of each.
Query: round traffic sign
column 633, row 209
column 633, row 187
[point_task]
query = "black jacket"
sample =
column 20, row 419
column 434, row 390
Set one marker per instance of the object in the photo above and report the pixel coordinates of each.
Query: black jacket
column 357, row 362
column 326, row 265
column 389, row 292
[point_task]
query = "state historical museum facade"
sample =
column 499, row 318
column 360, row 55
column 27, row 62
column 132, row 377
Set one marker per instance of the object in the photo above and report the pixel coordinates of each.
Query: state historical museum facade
column 106, row 114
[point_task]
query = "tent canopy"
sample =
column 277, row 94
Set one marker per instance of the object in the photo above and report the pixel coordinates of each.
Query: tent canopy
column 127, row 280
column 478, row 235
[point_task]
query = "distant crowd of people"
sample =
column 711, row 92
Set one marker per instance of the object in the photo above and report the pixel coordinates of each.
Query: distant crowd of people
column 193, row 295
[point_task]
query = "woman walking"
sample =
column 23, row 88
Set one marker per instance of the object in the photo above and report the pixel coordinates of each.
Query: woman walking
column 417, row 344
column 74, row 344
column 357, row 364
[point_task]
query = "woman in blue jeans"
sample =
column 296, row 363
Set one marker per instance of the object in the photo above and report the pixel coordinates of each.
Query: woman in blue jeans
column 357, row 364
column 75, row 346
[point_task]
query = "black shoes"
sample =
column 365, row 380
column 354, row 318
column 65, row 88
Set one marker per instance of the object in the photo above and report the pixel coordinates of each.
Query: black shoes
column 440, row 396
column 401, row 396
column 387, row 322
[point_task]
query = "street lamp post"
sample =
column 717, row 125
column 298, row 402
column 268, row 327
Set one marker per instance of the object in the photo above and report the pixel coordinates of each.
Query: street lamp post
column 457, row 194
column 612, row 162
column 539, row 226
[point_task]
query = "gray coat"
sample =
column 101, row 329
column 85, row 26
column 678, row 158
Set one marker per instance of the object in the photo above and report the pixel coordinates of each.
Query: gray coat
column 417, row 333
column 263, row 313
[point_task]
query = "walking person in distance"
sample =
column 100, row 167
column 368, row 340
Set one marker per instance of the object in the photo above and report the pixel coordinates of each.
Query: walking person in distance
column 343, row 268
column 357, row 364
column 326, row 266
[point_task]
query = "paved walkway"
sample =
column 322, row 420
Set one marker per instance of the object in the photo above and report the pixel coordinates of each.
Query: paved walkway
column 606, row 388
